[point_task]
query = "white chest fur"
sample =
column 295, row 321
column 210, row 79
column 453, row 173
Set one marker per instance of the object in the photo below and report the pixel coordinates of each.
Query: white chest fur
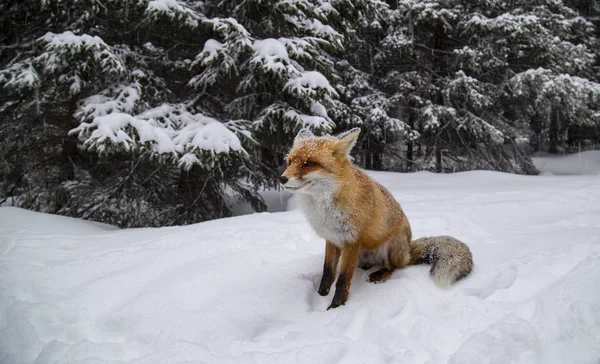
column 326, row 218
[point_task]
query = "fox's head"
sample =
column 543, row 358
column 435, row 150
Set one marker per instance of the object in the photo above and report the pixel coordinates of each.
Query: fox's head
column 314, row 164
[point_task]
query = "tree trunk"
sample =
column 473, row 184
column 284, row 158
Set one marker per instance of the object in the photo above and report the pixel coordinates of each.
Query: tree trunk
column 438, row 160
column 393, row 4
column 553, row 132
column 409, row 156
column 69, row 150
column 410, row 144
column 377, row 163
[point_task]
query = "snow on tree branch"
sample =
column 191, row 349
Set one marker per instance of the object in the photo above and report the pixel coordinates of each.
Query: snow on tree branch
column 576, row 98
column 20, row 76
column 292, row 120
column 272, row 56
column 310, row 83
column 164, row 130
column 174, row 9
column 73, row 57
column 62, row 48
column 467, row 91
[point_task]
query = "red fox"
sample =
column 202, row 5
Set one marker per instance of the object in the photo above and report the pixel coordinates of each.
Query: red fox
column 359, row 218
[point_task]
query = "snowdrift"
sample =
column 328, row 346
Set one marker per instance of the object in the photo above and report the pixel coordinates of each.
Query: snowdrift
column 571, row 164
column 243, row 290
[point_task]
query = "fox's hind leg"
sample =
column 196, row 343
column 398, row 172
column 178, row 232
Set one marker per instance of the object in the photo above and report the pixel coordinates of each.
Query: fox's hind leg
column 368, row 259
column 398, row 256
column 381, row 256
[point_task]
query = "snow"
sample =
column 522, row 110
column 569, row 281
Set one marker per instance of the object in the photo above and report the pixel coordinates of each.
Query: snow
column 125, row 99
column 275, row 200
column 326, row 9
column 173, row 9
column 60, row 51
column 572, row 164
column 69, row 40
column 272, row 55
column 215, row 137
column 314, row 79
column 299, row 47
column 168, row 128
column 20, row 75
column 210, row 52
column 513, row 25
column 309, row 82
column 111, row 128
column 310, row 121
column 324, row 31
column 270, row 48
column 430, row 114
column 243, row 289
column 318, row 109
column 224, row 25
column 549, row 88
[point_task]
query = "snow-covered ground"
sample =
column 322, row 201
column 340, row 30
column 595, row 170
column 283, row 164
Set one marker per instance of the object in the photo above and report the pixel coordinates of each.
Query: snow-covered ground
column 571, row 164
column 243, row 290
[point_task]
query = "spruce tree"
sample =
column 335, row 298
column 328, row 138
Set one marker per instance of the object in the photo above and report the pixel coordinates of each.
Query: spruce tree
column 462, row 61
column 105, row 89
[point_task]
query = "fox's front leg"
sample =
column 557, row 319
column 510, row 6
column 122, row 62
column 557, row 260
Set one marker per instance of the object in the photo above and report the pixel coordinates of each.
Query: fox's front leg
column 350, row 254
column 332, row 256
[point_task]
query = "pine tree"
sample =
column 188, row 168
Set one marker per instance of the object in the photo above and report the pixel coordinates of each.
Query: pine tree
column 460, row 59
column 159, row 112
column 196, row 100
column 119, row 89
column 542, row 39
column 274, row 66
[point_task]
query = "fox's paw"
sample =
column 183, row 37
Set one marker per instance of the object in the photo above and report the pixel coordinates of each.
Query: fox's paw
column 380, row 276
column 323, row 291
column 337, row 302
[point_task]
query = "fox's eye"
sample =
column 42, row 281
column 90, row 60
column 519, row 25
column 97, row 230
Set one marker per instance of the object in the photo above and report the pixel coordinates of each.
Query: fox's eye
column 309, row 163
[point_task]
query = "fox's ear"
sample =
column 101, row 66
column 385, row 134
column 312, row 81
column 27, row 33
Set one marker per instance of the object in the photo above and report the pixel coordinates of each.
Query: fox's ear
column 303, row 134
column 346, row 142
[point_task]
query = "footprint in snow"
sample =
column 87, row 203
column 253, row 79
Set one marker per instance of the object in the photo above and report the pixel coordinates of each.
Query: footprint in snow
column 492, row 282
column 313, row 299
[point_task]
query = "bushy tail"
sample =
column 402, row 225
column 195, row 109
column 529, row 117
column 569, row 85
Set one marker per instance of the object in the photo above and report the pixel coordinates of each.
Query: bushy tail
column 450, row 258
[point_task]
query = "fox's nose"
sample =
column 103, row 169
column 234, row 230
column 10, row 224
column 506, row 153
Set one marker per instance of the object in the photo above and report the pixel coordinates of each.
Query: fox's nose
column 283, row 179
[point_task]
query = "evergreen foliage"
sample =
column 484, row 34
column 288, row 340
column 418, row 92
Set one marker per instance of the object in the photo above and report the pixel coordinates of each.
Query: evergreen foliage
column 158, row 112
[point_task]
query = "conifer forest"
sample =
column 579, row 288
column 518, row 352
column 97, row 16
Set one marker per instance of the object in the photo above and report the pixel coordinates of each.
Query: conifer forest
column 164, row 112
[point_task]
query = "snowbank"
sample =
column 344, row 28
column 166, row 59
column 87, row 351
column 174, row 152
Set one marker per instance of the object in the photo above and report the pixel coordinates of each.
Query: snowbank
column 276, row 201
column 571, row 164
column 243, row 290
